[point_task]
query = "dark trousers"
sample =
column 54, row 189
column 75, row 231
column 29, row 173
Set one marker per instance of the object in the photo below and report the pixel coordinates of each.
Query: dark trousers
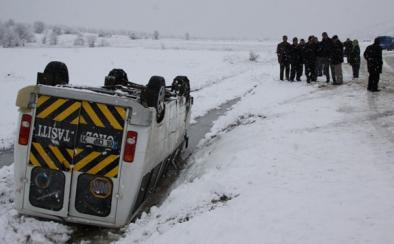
column 319, row 66
column 332, row 67
column 356, row 69
column 284, row 68
column 373, row 81
column 296, row 71
column 310, row 72
column 326, row 68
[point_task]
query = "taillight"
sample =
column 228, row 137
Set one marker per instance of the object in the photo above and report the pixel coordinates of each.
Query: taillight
column 24, row 131
column 130, row 144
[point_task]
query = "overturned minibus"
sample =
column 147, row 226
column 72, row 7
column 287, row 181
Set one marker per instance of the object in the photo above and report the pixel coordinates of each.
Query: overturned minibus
column 88, row 155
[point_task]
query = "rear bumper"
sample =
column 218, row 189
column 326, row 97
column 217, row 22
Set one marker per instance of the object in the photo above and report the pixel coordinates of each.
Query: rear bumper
column 69, row 219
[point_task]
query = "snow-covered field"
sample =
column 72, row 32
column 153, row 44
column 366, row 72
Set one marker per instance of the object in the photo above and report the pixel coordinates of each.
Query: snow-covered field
column 288, row 163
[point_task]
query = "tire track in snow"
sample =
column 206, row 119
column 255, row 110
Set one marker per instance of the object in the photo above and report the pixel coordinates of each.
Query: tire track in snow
column 219, row 80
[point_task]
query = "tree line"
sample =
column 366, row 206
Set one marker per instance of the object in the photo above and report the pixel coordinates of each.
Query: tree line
column 16, row 34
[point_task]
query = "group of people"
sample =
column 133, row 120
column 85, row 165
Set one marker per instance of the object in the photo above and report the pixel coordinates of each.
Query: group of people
column 318, row 58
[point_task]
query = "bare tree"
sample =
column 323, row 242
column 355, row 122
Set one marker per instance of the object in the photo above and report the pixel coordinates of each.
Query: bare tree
column 57, row 30
column 53, row 40
column 133, row 36
column 156, row 35
column 15, row 34
column 79, row 41
column 24, row 32
column 253, row 56
column 102, row 42
column 10, row 38
column 69, row 30
column 10, row 23
column 38, row 27
column 2, row 32
column 91, row 40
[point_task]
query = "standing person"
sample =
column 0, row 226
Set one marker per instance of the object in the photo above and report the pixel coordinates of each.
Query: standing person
column 348, row 44
column 319, row 65
column 325, row 49
column 302, row 51
column 373, row 55
column 283, row 52
column 295, row 61
column 310, row 59
column 354, row 59
column 337, row 60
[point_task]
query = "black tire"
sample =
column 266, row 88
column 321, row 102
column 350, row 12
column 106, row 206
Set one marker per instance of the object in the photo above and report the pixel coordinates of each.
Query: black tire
column 181, row 86
column 155, row 94
column 116, row 77
column 55, row 73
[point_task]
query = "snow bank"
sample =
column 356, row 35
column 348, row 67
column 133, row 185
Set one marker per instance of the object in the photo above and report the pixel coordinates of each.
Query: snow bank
column 20, row 229
column 290, row 163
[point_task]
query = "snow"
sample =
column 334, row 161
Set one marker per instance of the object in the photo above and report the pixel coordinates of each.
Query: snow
column 20, row 229
column 288, row 163
column 301, row 166
column 203, row 67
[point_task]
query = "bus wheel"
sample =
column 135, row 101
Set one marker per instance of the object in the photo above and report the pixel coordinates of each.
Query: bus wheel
column 181, row 86
column 55, row 73
column 155, row 94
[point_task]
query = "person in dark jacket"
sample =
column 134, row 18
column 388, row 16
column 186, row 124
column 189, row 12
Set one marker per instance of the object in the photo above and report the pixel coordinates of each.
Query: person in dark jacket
column 354, row 59
column 348, row 45
column 302, row 50
column 283, row 52
column 324, row 50
column 295, row 60
column 336, row 60
column 373, row 55
column 310, row 59
column 319, row 65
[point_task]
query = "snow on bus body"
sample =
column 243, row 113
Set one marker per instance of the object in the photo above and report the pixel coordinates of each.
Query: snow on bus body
column 88, row 157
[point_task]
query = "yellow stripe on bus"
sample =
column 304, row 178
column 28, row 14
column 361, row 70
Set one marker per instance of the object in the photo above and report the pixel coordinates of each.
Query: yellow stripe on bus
column 44, row 156
column 114, row 123
column 70, row 152
column 41, row 100
column 75, row 121
column 113, row 172
column 92, row 114
column 63, row 115
column 100, row 166
column 86, row 160
column 78, row 151
column 60, row 156
column 34, row 160
column 52, row 108
column 82, row 120
column 121, row 111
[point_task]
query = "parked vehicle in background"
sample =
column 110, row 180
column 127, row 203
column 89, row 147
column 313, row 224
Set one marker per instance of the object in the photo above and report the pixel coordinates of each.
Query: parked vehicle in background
column 386, row 42
column 91, row 155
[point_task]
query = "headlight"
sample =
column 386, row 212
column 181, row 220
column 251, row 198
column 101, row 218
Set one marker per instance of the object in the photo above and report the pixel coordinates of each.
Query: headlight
column 47, row 188
column 42, row 180
column 94, row 195
column 101, row 187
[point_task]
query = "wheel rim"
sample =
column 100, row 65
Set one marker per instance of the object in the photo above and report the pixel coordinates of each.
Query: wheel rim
column 160, row 101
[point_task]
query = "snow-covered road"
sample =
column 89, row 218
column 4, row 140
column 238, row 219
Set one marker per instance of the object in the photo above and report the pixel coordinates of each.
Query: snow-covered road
column 288, row 163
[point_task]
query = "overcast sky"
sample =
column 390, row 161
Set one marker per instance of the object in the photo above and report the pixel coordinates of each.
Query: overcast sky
column 208, row 18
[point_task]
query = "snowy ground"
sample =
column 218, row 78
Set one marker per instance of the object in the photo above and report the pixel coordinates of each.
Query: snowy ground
column 289, row 163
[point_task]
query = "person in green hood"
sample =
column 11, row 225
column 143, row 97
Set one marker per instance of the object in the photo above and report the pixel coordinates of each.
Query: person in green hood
column 354, row 59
